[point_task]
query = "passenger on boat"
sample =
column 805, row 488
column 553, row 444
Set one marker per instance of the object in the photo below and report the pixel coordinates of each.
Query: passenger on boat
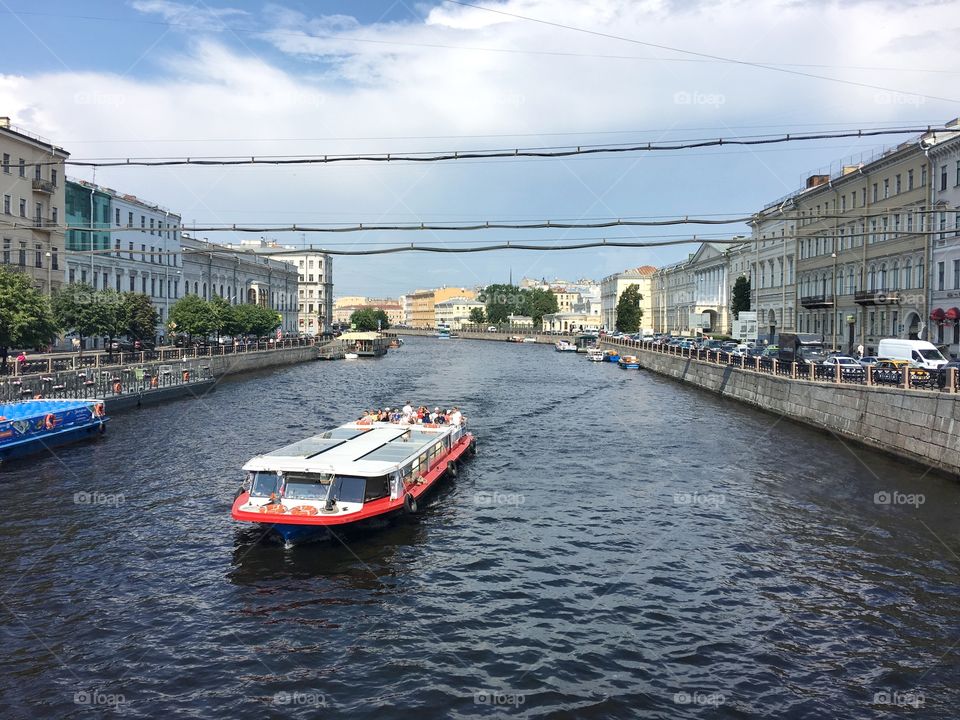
column 407, row 410
column 456, row 417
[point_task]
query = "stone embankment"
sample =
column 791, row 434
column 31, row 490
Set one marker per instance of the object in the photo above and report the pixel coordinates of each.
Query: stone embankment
column 916, row 424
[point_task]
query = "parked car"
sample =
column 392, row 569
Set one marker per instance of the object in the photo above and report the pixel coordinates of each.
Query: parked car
column 141, row 345
column 921, row 352
column 891, row 372
column 120, row 346
column 869, row 360
column 492, row 328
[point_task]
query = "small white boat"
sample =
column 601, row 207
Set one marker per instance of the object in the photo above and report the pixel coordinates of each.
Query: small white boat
column 529, row 340
column 595, row 354
column 350, row 356
column 565, row 346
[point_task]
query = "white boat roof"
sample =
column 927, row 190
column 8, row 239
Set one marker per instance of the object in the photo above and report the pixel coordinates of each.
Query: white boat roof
column 352, row 449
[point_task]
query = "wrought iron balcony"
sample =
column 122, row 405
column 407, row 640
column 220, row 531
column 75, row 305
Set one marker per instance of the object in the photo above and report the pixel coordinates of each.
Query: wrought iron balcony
column 43, row 224
column 877, row 297
column 816, row 302
column 44, row 186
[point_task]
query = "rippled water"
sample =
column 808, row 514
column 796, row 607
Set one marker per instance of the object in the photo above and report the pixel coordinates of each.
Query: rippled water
column 622, row 546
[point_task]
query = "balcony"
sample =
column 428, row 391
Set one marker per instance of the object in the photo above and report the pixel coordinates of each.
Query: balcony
column 41, row 224
column 44, row 186
column 817, row 302
column 877, row 297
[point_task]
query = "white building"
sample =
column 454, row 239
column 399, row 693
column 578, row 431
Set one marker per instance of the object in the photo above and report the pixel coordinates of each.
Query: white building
column 212, row 270
column 32, row 218
column 315, row 291
column 945, row 247
column 612, row 287
column 455, row 312
column 135, row 245
column 773, row 290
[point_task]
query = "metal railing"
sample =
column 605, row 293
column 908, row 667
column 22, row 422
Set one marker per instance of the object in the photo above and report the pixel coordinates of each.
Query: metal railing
column 947, row 380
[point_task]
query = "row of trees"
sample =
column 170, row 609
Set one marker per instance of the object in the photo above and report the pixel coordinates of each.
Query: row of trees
column 369, row 319
column 195, row 317
column 503, row 300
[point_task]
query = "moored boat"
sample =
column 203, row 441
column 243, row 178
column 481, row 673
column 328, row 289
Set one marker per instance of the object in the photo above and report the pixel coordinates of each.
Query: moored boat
column 32, row 426
column 595, row 354
column 355, row 475
column 628, row 362
column 565, row 346
column 611, row 356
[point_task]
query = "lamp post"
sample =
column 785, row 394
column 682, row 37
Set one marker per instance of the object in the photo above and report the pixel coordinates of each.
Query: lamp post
column 833, row 294
column 49, row 256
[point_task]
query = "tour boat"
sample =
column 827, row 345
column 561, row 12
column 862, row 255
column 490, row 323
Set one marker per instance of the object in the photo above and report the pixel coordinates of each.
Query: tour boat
column 595, row 354
column 32, row 426
column 529, row 340
column 628, row 362
column 611, row 356
column 355, row 475
column 350, row 356
column 565, row 346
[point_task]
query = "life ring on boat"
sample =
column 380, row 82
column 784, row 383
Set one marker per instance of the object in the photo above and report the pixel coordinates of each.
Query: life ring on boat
column 430, row 425
column 276, row 509
column 410, row 503
column 303, row 510
column 186, row 376
column 117, row 388
column 38, row 396
column 50, row 421
column 98, row 410
column 154, row 381
column 452, row 469
column 364, row 421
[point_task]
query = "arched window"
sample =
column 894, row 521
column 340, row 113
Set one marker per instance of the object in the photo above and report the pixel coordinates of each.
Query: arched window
column 204, row 291
column 872, row 279
column 838, row 283
column 895, row 275
column 851, row 287
column 920, row 273
column 221, row 289
column 882, row 280
column 196, row 288
column 907, row 274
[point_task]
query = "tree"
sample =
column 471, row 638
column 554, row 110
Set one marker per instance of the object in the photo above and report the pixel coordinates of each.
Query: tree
column 502, row 300
column 225, row 317
column 629, row 313
column 741, row 296
column 140, row 316
column 191, row 315
column 477, row 316
column 538, row 302
column 78, row 308
column 367, row 319
column 254, row 320
column 25, row 317
column 114, row 315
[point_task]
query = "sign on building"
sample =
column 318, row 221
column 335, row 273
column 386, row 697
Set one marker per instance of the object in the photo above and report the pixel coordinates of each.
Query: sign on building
column 745, row 326
column 700, row 320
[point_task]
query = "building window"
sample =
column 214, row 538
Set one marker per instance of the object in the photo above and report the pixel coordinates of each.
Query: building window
column 920, row 275
column 133, row 285
column 907, row 274
column 129, row 219
column 7, row 202
column 117, row 284
column 897, row 184
column 875, row 192
column 940, row 275
column 143, row 223
column 23, row 207
column 957, row 183
column 895, row 284
column 151, row 226
column 54, row 260
column 143, row 252
column 6, row 163
column 54, row 215
column 23, row 168
column 886, row 188
column 909, row 179
column 923, row 176
column 943, row 177
column 956, row 274
column 143, row 284
column 843, row 203
column 116, row 217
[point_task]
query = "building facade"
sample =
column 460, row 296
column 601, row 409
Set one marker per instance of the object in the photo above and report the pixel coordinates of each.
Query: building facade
column 771, row 257
column 32, row 219
column 343, row 308
column 945, row 259
column 211, row 270
column 315, row 283
column 612, row 287
column 455, row 312
column 863, row 245
column 130, row 245
column 423, row 304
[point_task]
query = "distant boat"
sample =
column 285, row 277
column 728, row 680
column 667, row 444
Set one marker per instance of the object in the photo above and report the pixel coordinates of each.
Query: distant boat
column 529, row 340
column 34, row 426
column 629, row 362
column 595, row 354
column 350, row 356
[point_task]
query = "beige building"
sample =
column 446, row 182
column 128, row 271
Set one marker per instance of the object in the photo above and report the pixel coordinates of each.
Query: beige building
column 455, row 312
column 423, row 304
column 343, row 310
column 571, row 322
column 612, row 287
column 32, row 184
column 863, row 243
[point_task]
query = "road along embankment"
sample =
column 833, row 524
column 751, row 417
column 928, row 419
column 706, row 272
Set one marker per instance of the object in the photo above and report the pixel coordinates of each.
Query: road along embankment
column 918, row 425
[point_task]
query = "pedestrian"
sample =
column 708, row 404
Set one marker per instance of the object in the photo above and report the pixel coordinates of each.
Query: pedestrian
column 76, row 344
column 21, row 361
column 859, row 352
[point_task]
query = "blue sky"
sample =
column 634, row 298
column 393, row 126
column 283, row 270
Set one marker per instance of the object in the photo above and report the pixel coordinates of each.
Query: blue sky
column 164, row 78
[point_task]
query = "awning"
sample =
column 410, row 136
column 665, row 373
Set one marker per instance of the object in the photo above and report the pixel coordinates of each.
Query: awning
column 937, row 314
column 953, row 314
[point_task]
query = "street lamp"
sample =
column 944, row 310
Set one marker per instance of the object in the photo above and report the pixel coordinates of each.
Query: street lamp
column 833, row 295
column 49, row 256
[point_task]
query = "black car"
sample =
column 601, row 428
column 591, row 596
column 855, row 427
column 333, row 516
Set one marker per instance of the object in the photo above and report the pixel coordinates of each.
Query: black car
column 120, row 346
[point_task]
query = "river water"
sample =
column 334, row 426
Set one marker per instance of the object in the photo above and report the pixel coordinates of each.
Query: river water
column 622, row 546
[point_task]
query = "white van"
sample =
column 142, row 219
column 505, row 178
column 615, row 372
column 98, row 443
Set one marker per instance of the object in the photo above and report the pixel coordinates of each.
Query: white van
column 919, row 352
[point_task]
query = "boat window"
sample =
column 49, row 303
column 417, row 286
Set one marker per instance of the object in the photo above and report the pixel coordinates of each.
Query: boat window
column 349, row 488
column 303, row 486
column 377, row 487
column 264, row 483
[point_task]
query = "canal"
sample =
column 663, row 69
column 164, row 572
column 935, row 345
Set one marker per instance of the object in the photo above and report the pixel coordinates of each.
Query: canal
column 622, row 546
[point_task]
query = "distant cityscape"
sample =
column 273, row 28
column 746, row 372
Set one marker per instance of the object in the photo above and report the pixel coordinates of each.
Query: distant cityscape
column 866, row 252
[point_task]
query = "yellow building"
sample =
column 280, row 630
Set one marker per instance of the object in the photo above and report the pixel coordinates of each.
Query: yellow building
column 423, row 303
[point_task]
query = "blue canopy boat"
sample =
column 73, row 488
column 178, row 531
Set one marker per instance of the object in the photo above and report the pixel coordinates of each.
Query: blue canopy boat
column 32, row 426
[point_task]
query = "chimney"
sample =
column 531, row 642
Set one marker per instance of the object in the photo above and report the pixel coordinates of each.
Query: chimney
column 847, row 169
column 815, row 180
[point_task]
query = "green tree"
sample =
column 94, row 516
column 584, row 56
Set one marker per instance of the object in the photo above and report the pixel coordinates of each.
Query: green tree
column 367, row 319
column 477, row 316
column 226, row 321
column 114, row 314
column 502, row 300
column 537, row 303
column 140, row 316
column 741, row 296
column 25, row 317
column 78, row 308
column 191, row 315
column 254, row 320
column 629, row 313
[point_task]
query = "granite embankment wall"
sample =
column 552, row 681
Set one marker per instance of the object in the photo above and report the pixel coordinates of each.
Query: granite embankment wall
column 918, row 425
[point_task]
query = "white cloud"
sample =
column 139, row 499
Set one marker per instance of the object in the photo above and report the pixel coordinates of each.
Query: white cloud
column 195, row 16
column 214, row 98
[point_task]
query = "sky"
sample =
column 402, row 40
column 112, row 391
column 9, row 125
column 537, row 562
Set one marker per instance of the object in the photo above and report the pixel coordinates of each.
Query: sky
column 158, row 78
